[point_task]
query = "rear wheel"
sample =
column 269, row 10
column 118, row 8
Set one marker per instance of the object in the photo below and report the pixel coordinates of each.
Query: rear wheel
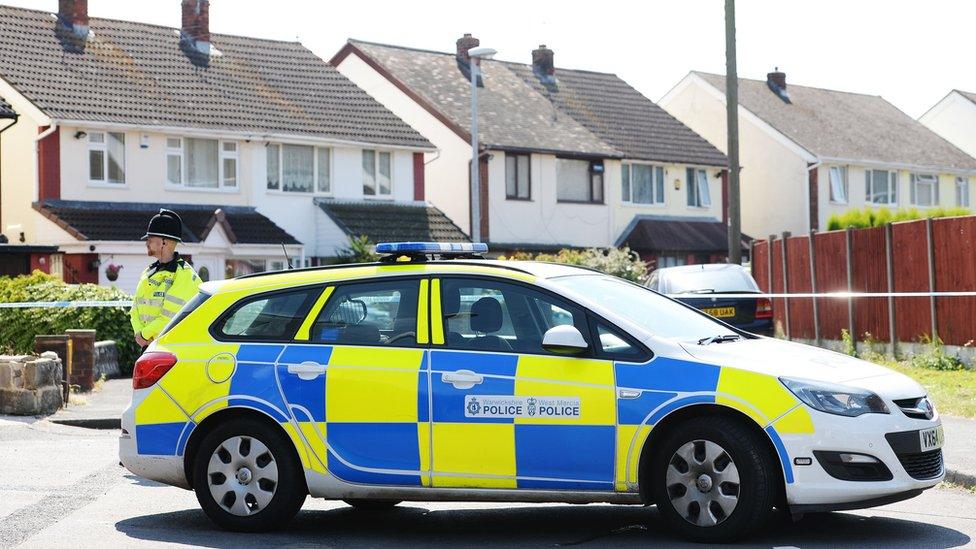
column 372, row 504
column 714, row 480
column 247, row 478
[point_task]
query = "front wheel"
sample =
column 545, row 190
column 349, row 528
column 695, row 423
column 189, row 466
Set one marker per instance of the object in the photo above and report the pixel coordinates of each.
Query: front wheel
column 247, row 478
column 714, row 480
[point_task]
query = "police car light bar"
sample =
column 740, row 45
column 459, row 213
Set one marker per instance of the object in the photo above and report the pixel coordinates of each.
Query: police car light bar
column 439, row 248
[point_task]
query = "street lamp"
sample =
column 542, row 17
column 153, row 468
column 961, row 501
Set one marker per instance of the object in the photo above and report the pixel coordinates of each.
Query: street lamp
column 476, row 55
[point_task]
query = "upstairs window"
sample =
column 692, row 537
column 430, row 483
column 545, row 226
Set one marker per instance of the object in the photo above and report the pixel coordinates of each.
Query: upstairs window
column 838, row 184
column 197, row 163
column 106, row 157
column 881, row 186
column 962, row 192
column 299, row 168
column 924, row 189
column 642, row 184
column 377, row 173
column 518, row 184
column 579, row 181
column 698, row 193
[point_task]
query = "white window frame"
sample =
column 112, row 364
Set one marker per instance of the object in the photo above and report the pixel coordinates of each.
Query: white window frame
column 657, row 171
column 962, row 192
column 315, row 170
column 698, row 205
column 376, row 171
column 915, row 180
column 221, row 155
column 103, row 147
column 843, row 174
column 892, row 193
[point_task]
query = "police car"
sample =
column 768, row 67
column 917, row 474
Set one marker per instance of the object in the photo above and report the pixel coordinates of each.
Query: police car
column 437, row 375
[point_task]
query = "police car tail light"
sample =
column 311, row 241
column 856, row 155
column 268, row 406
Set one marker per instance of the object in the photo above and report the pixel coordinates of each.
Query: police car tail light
column 150, row 367
column 764, row 308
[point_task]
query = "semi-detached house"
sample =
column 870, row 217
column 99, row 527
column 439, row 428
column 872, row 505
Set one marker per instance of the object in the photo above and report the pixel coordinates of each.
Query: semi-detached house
column 808, row 153
column 258, row 144
column 567, row 157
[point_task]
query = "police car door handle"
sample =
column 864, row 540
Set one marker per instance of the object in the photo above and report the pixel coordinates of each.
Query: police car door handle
column 462, row 379
column 628, row 393
column 307, row 370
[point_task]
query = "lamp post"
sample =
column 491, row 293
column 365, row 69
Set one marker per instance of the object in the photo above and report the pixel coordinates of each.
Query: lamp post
column 475, row 55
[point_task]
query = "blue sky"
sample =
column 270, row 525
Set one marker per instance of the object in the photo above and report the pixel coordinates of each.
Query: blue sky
column 911, row 53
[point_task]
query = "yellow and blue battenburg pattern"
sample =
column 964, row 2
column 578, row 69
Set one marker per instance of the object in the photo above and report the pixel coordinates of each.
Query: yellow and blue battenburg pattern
column 396, row 417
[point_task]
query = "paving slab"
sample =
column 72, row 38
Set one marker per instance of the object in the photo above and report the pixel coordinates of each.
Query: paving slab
column 103, row 409
column 960, row 450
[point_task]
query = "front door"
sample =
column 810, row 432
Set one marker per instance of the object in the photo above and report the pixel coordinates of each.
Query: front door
column 507, row 413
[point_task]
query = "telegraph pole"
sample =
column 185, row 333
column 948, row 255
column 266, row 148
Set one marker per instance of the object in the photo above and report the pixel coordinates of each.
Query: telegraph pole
column 732, row 119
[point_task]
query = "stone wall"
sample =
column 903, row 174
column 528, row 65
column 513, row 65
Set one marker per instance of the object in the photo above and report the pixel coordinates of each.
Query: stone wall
column 30, row 385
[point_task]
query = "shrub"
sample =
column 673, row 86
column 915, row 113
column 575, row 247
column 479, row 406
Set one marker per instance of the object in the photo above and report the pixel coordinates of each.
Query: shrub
column 860, row 218
column 620, row 262
column 359, row 250
column 19, row 326
column 935, row 357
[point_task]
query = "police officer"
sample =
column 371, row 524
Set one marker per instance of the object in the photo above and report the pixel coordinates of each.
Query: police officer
column 167, row 284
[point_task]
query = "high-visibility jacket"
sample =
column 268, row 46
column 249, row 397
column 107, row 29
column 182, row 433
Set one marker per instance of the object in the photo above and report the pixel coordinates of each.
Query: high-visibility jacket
column 163, row 290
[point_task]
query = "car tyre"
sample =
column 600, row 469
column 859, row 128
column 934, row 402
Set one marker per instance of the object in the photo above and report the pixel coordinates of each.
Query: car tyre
column 714, row 480
column 372, row 505
column 247, row 478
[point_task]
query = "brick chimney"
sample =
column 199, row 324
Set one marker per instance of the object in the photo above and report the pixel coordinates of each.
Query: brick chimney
column 196, row 25
column 776, row 81
column 464, row 44
column 542, row 64
column 73, row 16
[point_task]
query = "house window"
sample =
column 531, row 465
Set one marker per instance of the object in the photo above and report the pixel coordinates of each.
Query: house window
column 698, row 193
column 838, row 184
column 106, row 157
column 642, row 184
column 962, row 192
column 198, row 163
column 518, row 184
column 298, row 168
column 881, row 186
column 924, row 189
column 377, row 173
column 579, row 180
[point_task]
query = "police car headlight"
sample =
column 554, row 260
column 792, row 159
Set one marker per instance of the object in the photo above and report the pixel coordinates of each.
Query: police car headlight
column 836, row 399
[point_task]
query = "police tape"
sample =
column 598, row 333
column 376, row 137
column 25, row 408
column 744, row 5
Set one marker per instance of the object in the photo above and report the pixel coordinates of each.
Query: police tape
column 63, row 304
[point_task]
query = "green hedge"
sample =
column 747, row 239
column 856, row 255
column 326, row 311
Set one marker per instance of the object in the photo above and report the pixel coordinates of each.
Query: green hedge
column 19, row 326
column 856, row 218
column 620, row 262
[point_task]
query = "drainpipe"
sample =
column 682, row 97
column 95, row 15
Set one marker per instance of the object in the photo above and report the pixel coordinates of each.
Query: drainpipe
column 15, row 119
column 37, row 157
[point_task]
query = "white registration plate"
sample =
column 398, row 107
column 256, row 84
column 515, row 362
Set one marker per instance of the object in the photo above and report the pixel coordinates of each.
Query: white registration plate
column 931, row 438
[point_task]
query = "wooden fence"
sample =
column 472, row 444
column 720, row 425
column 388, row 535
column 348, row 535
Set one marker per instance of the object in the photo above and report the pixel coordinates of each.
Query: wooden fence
column 932, row 255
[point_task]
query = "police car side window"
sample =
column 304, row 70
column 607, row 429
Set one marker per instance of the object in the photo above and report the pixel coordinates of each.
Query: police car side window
column 374, row 313
column 273, row 317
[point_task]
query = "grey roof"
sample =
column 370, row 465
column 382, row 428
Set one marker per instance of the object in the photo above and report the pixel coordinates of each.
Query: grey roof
column 511, row 114
column 621, row 116
column 136, row 73
column 126, row 221
column 853, row 126
column 382, row 221
column 6, row 111
column 648, row 233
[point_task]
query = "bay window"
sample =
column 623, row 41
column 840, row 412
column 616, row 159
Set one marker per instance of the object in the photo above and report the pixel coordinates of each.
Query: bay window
column 377, row 173
column 198, row 163
column 924, row 189
column 579, row 180
column 642, row 184
column 881, row 186
column 838, row 184
column 298, row 168
column 699, row 195
column 106, row 157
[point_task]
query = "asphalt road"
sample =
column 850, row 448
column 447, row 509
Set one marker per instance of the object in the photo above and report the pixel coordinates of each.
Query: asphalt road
column 61, row 486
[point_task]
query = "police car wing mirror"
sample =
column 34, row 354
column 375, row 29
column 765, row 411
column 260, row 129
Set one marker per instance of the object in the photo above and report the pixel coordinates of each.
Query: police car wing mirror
column 564, row 340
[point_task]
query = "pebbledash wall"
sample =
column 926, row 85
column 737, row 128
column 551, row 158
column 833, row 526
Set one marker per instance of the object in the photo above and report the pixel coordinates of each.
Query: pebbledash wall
column 930, row 255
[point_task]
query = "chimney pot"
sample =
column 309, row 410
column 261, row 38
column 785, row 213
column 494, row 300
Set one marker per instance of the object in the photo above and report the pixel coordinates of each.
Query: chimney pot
column 464, row 44
column 73, row 16
column 196, row 24
column 542, row 62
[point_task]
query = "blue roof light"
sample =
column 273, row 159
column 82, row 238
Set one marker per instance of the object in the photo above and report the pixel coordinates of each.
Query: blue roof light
column 441, row 248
